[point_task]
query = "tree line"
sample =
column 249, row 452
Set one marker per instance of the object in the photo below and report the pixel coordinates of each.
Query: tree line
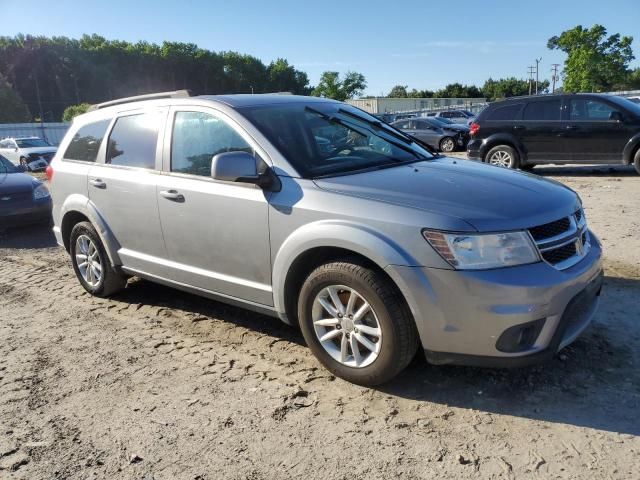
column 49, row 74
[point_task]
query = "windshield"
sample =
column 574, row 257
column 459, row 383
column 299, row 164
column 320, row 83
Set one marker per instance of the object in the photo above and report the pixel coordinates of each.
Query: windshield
column 6, row 166
column 323, row 139
column 31, row 143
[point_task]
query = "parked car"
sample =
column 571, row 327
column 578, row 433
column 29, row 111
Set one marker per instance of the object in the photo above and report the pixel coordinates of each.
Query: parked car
column 573, row 128
column 32, row 152
column 436, row 134
column 372, row 247
column 464, row 117
column 23, row 199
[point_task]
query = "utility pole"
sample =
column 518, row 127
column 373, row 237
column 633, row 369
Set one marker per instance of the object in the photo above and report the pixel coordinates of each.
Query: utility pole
column 554, row 76
column 531, row 68
column 537, row 65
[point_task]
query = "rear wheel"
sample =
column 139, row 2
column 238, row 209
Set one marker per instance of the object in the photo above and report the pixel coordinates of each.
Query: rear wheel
column 356, row 323
column 91, row 263
column 503, row 156
column 636, row 161
column 447, row 144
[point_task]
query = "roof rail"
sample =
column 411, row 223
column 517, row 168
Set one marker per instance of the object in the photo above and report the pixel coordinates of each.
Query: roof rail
column 141, row 98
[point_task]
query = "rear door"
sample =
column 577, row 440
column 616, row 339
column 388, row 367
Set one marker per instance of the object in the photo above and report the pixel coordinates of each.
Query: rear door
column 591, row 136
column 216, row 232
column 123, row 188
column 426, row 132
column 541, row 131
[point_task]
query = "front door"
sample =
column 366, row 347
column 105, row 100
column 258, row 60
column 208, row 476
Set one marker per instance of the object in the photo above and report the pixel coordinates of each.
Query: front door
column 216, row 233
column 123, row 189
column 591, row 135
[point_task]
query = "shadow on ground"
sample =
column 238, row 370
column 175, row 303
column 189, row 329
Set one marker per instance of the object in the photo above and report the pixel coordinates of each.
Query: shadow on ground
column 586, row 171
column 30, row 237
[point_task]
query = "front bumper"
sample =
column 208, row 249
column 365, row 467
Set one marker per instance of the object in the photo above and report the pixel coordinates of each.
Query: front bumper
column 461, row 315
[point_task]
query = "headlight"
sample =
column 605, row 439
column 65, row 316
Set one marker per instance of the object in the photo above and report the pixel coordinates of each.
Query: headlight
column 483, row 251
column 40, row 192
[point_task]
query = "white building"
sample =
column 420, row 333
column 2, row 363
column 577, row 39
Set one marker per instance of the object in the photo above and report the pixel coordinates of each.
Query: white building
column 395, row 105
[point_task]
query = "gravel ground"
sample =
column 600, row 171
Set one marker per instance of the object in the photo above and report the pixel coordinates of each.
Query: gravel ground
column 158, row 384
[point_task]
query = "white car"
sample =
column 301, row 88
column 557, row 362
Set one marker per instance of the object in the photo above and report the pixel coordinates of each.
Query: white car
column 32, row 152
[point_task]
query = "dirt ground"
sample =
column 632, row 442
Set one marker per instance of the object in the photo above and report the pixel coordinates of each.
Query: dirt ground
column 158, row 384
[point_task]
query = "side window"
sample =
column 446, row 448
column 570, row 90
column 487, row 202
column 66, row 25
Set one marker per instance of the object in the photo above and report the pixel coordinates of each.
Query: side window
column 598, row 110
column 446, row 115
column 86, row 142
column 133, row 141
column 544, row 110
column 4, row 144
column 197, row 137
column 507, row 112
column 402, row 125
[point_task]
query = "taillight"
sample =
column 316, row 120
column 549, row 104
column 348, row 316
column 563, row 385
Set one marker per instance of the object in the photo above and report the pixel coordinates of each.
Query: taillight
column 49, row 172
column 474, row 128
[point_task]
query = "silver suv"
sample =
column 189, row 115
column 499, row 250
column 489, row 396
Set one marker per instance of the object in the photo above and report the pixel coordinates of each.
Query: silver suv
column 314, row 212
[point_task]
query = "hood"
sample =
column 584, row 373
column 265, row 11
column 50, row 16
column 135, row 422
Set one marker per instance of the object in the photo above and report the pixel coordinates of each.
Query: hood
column 16, row 183
column 27, row 151
column 489, row 198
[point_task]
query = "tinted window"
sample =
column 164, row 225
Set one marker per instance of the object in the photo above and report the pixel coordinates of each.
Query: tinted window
column 6, row 167
column 197, row 137
column 404, row 124
column 86, row 142
column 581, row 109
column 133, row 141
column 546, row 110
column 507, row 112
column 32, row 143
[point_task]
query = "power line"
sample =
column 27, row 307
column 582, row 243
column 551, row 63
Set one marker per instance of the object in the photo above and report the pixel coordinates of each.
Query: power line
column 538, row 60
column 554, row 76
column 531, row 70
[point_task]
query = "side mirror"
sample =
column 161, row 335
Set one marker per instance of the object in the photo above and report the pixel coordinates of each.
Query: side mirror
column 615, row 116
column 239, row 167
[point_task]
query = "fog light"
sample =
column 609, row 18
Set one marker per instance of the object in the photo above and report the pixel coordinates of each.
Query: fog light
column 520, row 337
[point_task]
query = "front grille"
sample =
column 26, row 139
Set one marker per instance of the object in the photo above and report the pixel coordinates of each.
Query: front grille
column 559, row 254
column 563, row 242
column 551, row 229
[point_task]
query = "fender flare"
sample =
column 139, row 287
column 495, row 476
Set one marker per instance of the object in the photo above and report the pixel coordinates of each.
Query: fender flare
column 358, row 238
column 81, row 204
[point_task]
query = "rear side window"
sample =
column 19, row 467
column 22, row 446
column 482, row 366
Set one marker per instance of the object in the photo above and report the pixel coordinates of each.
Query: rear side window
column 133, row 141
column 545, row 110
column 506, row 112
column 197, row 138
column 86, row 142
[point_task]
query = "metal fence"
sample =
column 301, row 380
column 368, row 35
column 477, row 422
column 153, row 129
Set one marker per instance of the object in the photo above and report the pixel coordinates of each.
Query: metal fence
column 51, row 132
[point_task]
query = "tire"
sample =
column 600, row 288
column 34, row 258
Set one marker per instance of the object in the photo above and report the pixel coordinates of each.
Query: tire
column 447, row 144
column 110, row 281
column 503, row 156
column 636, row 161
column 389, row 315
column 528, row 167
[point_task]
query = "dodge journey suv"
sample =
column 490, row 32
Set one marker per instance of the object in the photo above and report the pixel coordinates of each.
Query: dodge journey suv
column 572, row 128
column 314, row 212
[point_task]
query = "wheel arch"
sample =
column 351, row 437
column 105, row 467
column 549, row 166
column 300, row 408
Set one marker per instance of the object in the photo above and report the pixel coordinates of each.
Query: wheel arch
column 503, row 139
column 630, row 149
column 314, row 245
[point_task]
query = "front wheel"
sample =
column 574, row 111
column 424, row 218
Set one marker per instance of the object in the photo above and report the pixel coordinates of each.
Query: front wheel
column 502, row 156
column 636, row 161
column 356, row 323
column 447, row 144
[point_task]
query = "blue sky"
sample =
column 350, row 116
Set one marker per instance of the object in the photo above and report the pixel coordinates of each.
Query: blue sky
column 421, row 44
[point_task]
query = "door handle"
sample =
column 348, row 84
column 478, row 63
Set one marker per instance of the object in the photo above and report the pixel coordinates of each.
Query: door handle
column 98, row 183
column 519, row 127
column 172, row 195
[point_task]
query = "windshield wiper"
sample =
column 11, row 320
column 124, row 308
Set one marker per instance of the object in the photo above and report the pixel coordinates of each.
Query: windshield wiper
column 339, row 121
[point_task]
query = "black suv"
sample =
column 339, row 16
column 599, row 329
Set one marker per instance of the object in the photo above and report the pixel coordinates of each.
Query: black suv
column 571, row 128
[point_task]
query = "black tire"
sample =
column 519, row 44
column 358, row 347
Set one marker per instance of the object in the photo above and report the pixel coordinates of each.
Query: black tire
column 447, row 144
column 503, row 151
column 528, row 167
column 636, row 161
column 111, row 281
column 399, row 336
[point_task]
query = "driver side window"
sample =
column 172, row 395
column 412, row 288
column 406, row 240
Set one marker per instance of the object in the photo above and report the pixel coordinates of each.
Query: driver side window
column 197, row 138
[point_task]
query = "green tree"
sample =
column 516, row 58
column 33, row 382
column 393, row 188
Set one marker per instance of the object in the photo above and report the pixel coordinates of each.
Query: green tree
column 331, row 86
column 13, row 108
column 510, row 87
column 399, row 91
column 594, row 61
column 74, row 110
column 420, row 93
column 457, row 90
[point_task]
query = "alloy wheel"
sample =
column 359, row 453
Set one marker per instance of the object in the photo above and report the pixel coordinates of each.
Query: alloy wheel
column 88, row 260
column 500, row 158
column 346, row 326
column 447, row 145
